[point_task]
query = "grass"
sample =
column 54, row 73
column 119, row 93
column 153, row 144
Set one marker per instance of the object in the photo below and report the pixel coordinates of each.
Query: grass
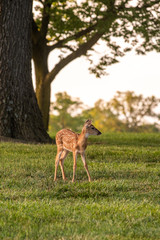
column 122, row 201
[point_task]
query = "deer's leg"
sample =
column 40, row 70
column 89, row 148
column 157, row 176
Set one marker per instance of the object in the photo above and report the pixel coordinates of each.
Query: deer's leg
column 85, row 166
column 74, row 165
column 63, row 156
column 59, row 152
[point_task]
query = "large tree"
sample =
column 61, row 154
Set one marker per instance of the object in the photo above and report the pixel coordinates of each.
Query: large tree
column 20, row 116
column 74, row 27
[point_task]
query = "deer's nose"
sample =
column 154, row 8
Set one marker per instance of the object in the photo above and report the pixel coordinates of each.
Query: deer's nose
column 99, row 133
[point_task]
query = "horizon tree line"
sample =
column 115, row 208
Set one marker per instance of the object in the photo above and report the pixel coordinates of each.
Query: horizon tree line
column 125, row 112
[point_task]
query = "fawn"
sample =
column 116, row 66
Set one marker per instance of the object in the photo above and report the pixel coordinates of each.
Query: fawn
column 69, row 141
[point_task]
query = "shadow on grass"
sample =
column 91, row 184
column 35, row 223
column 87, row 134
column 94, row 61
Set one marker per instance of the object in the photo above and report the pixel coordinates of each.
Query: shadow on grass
column 112, row 189
column 98, row 190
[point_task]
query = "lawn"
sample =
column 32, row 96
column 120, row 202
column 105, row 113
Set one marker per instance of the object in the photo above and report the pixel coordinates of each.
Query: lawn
column 121, row 202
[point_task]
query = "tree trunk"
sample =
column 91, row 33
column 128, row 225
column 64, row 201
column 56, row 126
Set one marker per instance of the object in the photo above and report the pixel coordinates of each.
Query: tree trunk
column 20, row 116
column 43, row 90
column 43, row 93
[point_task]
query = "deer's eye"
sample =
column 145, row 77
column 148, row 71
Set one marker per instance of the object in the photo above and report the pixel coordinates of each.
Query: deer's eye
column 92, row 127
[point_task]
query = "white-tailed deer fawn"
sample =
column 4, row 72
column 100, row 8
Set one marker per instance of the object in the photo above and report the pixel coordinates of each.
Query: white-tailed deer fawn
column 69, row 141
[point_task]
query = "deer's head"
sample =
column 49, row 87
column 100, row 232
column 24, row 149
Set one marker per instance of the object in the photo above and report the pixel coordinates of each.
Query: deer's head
column 90, row 128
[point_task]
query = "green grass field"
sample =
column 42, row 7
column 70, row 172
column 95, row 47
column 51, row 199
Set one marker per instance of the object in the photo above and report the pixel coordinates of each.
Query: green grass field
column 122, row 201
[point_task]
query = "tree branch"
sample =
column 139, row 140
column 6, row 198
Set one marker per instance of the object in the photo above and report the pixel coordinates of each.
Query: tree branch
column 35, row 33
column 45, row 18
column 68, row 47
column 41, row 1
column 60, row 43
column 82, row 50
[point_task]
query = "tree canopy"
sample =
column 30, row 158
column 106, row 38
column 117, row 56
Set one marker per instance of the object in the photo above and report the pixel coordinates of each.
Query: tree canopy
column 74, row 27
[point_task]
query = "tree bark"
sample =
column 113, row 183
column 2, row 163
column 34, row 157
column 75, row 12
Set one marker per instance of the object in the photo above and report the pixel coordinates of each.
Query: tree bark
column 20, row 116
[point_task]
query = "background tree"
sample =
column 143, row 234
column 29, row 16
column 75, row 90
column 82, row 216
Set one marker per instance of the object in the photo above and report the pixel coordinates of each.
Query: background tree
column 126, row 111
column 74, row 28
column 19, row 113
column 66, row 113
column 103, row 118
column 133, row 109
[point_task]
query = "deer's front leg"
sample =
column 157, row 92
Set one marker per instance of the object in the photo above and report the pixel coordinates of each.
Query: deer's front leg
column 74, row 165
column 85, row 166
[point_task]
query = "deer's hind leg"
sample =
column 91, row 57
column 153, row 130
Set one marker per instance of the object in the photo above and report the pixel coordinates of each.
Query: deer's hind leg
column 74, row 165
column 85, row 166
column 62, row 158
column 59, row 153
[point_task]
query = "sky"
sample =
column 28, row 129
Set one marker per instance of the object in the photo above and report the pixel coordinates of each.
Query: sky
column 137, row 73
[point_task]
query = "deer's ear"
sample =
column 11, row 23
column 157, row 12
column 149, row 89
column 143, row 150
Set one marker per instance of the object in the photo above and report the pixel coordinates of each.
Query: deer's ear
column 88, row 122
